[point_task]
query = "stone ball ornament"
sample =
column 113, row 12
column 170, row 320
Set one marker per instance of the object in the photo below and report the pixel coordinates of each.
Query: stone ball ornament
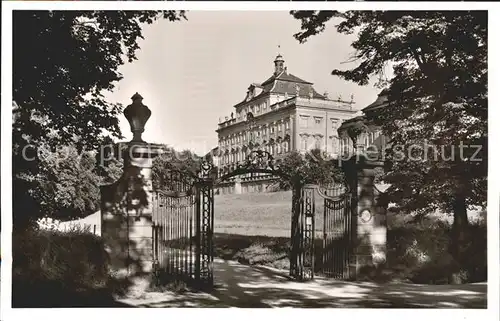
column 365, row 216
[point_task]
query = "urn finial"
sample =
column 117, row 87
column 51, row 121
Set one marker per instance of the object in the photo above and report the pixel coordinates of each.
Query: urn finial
column 137, row 115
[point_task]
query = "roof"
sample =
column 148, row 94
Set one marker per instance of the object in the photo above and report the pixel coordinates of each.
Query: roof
column 213, row 152
column 284, row 83
column 381, row 101
column 285, row 76
column 353, row 120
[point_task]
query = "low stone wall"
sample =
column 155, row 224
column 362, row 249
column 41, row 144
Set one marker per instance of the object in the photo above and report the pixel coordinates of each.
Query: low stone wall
column 247, row 186
column 91, row 223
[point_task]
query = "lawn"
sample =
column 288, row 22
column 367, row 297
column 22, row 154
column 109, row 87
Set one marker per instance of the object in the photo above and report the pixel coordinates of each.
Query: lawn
column 263, row 214
column 254, row 228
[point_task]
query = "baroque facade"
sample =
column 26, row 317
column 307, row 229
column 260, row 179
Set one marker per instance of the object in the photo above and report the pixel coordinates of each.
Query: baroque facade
column 282, row 114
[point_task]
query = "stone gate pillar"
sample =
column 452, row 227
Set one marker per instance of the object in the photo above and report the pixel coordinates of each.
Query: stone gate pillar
column 126, row 205
column 368, row 217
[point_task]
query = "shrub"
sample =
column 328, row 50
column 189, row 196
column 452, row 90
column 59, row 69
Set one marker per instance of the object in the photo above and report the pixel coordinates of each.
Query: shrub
column 263, row 254
column 53, row 268
column 419, row 252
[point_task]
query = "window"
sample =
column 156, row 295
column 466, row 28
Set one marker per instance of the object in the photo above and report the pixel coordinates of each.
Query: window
column 318, row 121
column 344, row 144
column 303, row 121
column 272, row 128
column 304, row 143
column 287, row 124
column 317, row 143
column 335, row 123
column 335, row 144
column 279, row 127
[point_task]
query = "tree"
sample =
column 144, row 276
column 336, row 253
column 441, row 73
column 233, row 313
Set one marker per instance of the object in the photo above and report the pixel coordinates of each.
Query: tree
column 67, row 185
column 315, row 167
column 63, row 62
column 184, row 162
column 437, row 96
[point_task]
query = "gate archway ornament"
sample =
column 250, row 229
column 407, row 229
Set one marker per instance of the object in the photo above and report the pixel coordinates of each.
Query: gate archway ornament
column 257, row 161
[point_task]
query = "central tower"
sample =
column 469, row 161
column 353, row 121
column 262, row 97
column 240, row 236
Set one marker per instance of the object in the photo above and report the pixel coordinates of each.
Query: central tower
column 279, row 65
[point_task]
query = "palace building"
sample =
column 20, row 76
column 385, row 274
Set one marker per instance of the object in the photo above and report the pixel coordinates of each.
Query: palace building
column 282, row 114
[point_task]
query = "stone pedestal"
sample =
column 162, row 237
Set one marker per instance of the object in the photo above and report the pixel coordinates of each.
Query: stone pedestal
column 126, row 208
column 369, row 214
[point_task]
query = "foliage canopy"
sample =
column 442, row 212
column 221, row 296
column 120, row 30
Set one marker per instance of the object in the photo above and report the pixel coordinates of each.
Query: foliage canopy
column 437, row 96
column 63, row 64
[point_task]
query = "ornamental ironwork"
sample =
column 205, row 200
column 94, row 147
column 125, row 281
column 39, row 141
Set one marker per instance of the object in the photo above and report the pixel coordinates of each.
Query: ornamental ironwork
column 257, row 161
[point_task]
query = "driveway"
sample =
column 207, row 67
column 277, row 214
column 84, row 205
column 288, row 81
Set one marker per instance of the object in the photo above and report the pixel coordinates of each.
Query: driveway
column 243, row 286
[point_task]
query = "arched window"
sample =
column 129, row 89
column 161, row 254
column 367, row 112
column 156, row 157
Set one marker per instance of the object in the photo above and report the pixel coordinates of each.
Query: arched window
column 304, row 143
column 335, row 144
column 317, row 143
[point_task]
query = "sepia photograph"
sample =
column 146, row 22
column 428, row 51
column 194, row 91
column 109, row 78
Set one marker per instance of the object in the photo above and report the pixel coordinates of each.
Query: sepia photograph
column 249, row 159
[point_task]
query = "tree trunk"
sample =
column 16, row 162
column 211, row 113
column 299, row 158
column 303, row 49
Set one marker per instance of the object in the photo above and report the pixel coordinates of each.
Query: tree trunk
column 459, row 227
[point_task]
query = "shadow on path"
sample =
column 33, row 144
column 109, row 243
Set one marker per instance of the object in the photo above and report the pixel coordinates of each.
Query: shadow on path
column 243, row 286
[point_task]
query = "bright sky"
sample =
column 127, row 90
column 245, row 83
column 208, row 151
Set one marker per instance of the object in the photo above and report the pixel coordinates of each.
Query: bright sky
column 191, row 73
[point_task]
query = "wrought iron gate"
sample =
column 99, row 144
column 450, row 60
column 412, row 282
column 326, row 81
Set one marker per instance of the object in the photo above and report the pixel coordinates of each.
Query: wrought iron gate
column 337, row 233
column 183, row 229
column 302, row 236
column 183, row 225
